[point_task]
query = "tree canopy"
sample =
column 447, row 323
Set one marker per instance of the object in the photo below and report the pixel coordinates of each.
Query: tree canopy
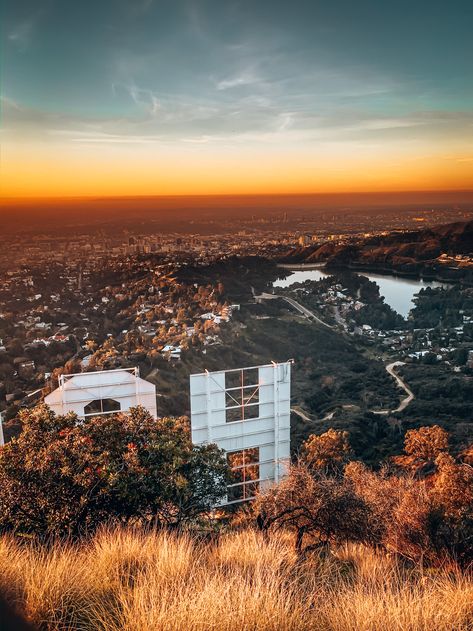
column 422, row 509
column 327, row 452
column 65, row 476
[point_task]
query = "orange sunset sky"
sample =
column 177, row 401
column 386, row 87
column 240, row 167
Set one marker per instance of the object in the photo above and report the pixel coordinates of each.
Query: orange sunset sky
column 122, row 98
column 38, row 171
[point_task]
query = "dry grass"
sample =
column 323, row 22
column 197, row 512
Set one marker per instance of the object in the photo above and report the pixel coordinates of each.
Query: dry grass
column 125, row 580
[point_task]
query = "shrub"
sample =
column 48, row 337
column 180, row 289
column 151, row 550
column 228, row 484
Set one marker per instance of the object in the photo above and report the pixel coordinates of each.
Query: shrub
column 421, row 448
column 452, row 494
column 422, row 512
column 314, row 504
column 420, row 519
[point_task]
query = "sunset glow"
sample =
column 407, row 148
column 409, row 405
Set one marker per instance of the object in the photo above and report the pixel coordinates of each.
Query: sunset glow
column 232, row 103
column 36, row 171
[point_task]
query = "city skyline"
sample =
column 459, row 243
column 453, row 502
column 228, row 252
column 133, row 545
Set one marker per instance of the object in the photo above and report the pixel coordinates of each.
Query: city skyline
column 204, row 98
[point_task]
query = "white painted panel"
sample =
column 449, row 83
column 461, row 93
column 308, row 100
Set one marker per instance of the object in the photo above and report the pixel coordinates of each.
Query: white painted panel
column 122, row 385
column 270, row 431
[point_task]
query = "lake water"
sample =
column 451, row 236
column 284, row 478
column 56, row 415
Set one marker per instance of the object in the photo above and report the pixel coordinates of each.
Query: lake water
column 398, row 292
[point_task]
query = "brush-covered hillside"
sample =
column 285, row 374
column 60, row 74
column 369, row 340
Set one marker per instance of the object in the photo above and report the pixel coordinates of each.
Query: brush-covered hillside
column 109, row 524
column 445, row 250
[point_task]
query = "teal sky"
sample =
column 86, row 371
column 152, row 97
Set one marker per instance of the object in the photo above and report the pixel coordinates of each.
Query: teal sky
column 296, row 73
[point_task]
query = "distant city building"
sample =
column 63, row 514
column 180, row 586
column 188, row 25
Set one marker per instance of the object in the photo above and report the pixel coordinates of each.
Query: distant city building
column 101, row 393
column 246, row 412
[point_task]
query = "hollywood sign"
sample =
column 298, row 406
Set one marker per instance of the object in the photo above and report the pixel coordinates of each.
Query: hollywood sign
column 246, row 412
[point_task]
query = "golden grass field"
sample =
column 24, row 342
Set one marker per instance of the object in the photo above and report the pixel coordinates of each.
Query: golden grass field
column 129, row 580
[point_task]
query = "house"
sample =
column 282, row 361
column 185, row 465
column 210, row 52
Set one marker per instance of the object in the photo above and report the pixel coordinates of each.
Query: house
column 173, row 352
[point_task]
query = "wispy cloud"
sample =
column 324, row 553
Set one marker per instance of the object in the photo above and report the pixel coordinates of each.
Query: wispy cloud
column 285, row 121
column 95, row 137
column 246, row 78
column 9, row 104
column 236, row 121
column 142, row 97
column 21, row 32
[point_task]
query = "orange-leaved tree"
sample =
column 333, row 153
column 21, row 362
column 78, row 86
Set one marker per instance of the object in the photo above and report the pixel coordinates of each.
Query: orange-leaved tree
column 325, row 509
column 328, row 452
column 421, row 448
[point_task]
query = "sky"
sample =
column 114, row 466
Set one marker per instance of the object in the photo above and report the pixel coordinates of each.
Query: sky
column 158, row 97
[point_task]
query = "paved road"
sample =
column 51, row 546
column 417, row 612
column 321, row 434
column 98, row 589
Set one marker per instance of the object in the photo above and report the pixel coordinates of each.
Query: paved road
column 305, row 312
column 308, row 314
column 299, row 412
column 390, row 368
column 302, row 414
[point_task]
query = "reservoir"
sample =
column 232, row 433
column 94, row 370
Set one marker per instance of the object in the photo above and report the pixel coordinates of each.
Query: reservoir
column 398, row 292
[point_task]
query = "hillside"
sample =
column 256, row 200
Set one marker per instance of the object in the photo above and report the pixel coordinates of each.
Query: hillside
column 445, row 251
column 155, row 581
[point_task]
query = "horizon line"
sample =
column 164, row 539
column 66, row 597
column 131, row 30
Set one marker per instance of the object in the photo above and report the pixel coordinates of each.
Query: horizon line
column 32, row 198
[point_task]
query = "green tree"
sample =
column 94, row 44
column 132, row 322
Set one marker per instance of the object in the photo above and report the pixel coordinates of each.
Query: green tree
column 460, row 356
column 63, row 476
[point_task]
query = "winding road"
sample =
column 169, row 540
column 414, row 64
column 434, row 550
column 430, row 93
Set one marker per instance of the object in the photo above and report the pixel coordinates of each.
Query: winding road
column 390, row 369
column 303, row 310
column 299, row 412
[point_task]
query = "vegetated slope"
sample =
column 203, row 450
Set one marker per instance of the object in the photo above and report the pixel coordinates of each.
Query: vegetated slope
column 136, row 581
column 329, row 371
column 409, row 252
column 441, row 395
